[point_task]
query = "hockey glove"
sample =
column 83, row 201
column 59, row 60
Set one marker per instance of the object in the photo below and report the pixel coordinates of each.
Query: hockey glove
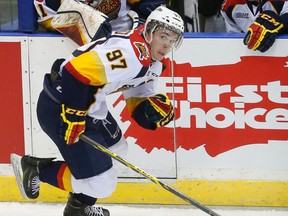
column 263, row 31
column 155, row 111
column 73, row 124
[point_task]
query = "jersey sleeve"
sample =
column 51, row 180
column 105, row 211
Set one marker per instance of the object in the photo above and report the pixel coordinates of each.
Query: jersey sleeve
column 136, row 95
column 82, row 76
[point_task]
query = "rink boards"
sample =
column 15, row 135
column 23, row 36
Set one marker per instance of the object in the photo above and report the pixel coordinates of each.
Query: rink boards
column 228, row 143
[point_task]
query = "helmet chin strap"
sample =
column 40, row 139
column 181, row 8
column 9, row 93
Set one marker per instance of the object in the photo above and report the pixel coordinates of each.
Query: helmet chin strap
column 151, row 48
column 150, row 34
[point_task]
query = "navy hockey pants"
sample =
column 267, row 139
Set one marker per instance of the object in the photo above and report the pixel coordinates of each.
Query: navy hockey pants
column 83, row 160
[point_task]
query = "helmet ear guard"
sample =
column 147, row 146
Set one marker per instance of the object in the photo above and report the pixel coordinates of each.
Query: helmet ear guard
column 166, row 18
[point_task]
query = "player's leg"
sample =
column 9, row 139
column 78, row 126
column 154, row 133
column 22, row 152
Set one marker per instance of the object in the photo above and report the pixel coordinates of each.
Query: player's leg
column 92, row 176
column 28, row 171
column 75, row 207
column 108, row 133
column 86, row 173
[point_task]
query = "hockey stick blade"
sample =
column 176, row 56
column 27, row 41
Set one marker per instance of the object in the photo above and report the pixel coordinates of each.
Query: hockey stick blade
column 148, row 176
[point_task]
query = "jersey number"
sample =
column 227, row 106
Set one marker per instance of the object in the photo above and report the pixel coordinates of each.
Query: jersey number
column 116, row 55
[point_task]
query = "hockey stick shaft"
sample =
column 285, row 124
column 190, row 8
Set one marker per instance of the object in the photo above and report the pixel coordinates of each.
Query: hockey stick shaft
column 148, row 176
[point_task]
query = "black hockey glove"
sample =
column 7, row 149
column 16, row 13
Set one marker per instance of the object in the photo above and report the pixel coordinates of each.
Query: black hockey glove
column 155, row 111
column 263, row 31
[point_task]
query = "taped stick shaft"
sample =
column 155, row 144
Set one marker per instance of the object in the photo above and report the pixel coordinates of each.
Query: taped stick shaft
column 148, row 176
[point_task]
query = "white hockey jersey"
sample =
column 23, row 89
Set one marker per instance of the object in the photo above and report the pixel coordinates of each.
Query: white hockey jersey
column 240, row 14
column 122, row 63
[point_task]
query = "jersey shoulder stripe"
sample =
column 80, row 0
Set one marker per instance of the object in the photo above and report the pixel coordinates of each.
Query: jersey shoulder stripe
column 88, row 68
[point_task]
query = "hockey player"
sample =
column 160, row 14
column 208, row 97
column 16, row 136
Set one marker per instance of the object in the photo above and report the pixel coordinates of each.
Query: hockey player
column 73, row 102
column 261, row 20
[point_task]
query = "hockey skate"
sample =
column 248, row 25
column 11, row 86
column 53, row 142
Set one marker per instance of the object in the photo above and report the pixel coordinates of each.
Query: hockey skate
column 76, row 208
column 26, row 170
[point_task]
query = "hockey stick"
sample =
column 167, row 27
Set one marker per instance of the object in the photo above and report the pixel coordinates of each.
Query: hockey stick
column 148, row 176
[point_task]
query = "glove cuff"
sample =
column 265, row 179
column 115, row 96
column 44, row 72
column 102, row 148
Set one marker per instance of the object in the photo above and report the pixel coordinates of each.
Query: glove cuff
column 272, row 18
column 140, row 117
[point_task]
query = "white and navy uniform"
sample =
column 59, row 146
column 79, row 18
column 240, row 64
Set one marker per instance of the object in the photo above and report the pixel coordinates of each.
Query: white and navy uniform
column 240, row 14
column 95, row 70
column 120, row 64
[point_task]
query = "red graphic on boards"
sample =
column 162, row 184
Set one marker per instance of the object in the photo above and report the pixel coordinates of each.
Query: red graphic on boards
column 223, row 107
column 11, row 117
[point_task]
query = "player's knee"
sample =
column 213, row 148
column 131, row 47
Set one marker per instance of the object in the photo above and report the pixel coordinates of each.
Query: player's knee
column 99, row 186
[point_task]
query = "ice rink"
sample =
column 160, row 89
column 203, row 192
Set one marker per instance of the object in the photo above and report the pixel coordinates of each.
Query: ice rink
column 50, row 209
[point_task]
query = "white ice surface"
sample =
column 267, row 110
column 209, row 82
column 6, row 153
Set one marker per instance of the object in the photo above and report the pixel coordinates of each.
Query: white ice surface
column 51, row 209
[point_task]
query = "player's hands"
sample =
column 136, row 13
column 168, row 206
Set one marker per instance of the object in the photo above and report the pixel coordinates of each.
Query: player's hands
column 73, row 123
column 263, row 31
column 163, row 107
column 155, row 111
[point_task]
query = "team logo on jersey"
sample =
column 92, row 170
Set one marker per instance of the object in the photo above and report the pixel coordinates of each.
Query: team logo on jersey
column 241, row 15
column 143, row 50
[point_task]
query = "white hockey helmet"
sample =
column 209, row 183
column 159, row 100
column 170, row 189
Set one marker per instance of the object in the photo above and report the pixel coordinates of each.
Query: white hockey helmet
column 164, row 17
